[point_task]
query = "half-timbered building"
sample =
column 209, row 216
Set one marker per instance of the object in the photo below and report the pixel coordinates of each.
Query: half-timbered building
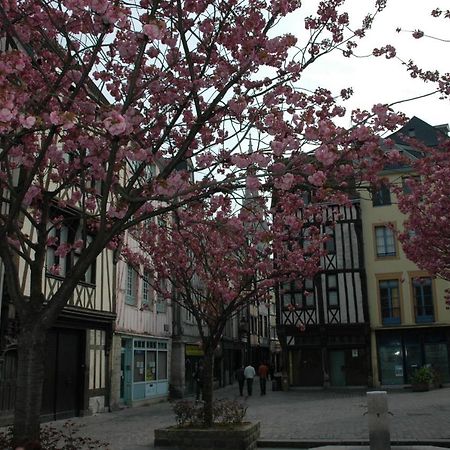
column 323, row 323
column 78, row 346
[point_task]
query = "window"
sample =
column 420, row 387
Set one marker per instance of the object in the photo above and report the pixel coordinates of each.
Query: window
column 147, row 299
column 330, row 244
column 332, row 292
column 390, row 301
column 385, row 241
column 381, row 196
column 423, row 299
column 301, row 295
column 131, row 286
column 161, row 302
column 89, row 275
column 407, row 182
column 59, row 264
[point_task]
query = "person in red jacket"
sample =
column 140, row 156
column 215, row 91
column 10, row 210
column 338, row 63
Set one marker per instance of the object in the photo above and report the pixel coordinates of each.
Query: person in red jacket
column 263, row 373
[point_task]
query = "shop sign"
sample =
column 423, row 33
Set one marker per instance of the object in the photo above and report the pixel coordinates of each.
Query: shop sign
column 193, row 350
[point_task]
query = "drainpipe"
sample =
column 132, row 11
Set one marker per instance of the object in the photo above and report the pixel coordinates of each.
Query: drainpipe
column 2, row 273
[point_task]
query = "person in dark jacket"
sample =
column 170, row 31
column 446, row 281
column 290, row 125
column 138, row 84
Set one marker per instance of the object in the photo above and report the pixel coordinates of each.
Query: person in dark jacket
column 198, row 377
column 240, row 379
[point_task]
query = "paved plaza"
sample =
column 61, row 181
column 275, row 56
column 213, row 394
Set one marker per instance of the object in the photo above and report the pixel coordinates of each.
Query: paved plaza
column 299, row 415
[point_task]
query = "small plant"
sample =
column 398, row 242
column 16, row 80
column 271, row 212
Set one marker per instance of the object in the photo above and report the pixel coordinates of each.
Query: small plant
column 64, row 438
column 423, row 375
column 225, row 412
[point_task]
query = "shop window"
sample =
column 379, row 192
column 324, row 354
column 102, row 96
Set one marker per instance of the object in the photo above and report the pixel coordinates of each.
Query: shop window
column 381, row 196
column 139, row 364
column 385, row 241
column 162, row 365
column 150, row 366
column 423, row 299
column 391, row 364
column 390, row 301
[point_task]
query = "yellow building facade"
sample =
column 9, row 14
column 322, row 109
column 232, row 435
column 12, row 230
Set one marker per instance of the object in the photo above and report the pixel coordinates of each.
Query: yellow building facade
column 409, row 322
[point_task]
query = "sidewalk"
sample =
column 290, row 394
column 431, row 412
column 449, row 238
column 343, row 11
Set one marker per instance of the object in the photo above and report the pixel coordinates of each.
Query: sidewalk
column 335, row 416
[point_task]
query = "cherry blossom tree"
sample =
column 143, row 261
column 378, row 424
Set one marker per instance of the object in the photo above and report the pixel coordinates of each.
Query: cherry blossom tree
column 103, row 104
column 215, row 262
column 215, row 266
column 426, row 237
column 425, row 201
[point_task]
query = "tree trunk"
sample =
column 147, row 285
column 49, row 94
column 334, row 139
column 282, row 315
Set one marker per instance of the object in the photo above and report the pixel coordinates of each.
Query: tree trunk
column 208, row 371
column 30, row 381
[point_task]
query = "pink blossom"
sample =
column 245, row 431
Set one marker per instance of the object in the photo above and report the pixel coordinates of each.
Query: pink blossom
column 318, row 178
column 33, row 192
column 253, row 183
column 153, row 31
column 325, row 155
column 285, row 182
column 27, row 122
column 115, row 124
column 55, row 118
column 5, row 115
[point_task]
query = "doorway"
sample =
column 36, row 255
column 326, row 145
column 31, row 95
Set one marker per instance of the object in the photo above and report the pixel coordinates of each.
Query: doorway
column 63, row 384
column 337, row 368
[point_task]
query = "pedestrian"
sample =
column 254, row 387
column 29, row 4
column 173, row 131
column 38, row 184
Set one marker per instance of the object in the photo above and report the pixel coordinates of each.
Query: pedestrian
column 249, row 374
column 263, row 372
column 198, row 377
column 240, row 377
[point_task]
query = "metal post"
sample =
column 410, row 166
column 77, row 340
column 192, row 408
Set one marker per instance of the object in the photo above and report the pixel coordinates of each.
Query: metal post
column 379, row 432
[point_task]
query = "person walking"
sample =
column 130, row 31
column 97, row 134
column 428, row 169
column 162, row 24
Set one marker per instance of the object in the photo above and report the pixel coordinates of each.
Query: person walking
column 198, row 377
column 263, row 372
column 240, row 379
column 249, row 374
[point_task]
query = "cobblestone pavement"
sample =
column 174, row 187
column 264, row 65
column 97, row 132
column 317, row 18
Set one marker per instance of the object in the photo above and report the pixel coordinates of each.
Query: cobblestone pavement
column 298, row 414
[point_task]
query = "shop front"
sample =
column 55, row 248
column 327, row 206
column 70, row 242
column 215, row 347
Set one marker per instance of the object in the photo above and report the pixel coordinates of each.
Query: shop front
column 401, row 352
column 144, row 369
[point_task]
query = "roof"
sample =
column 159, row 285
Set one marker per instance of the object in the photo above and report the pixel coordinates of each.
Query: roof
column 422, row 131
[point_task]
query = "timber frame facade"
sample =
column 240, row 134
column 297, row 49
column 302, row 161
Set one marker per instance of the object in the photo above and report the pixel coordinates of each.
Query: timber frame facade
column 325, row 336
column 77, row 366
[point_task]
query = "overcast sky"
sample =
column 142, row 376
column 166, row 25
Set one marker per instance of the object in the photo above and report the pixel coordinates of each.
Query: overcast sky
column 377, row 80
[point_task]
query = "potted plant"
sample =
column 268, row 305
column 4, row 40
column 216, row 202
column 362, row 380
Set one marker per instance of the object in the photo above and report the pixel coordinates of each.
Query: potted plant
column 422, row 379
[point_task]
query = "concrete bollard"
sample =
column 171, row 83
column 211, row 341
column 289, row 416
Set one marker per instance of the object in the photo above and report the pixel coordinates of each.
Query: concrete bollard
column 379, row 430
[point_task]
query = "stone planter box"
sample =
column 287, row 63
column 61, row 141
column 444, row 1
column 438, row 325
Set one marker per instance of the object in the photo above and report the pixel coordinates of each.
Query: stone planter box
column 231, row 437
column 420, row 387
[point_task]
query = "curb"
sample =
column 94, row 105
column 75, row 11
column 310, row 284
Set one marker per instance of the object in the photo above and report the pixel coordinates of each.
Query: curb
column 268, row 443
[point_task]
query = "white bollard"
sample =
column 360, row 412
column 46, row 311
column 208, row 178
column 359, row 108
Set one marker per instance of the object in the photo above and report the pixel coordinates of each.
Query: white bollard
column 379, row 431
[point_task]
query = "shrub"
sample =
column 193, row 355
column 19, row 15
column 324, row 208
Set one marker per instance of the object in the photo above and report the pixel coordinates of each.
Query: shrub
column 64, row 438
column 423, row 375
column 191, row 413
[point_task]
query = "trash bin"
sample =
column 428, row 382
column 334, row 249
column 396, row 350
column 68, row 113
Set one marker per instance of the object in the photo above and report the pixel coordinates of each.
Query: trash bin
column 285, row 383
column 276, row 383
